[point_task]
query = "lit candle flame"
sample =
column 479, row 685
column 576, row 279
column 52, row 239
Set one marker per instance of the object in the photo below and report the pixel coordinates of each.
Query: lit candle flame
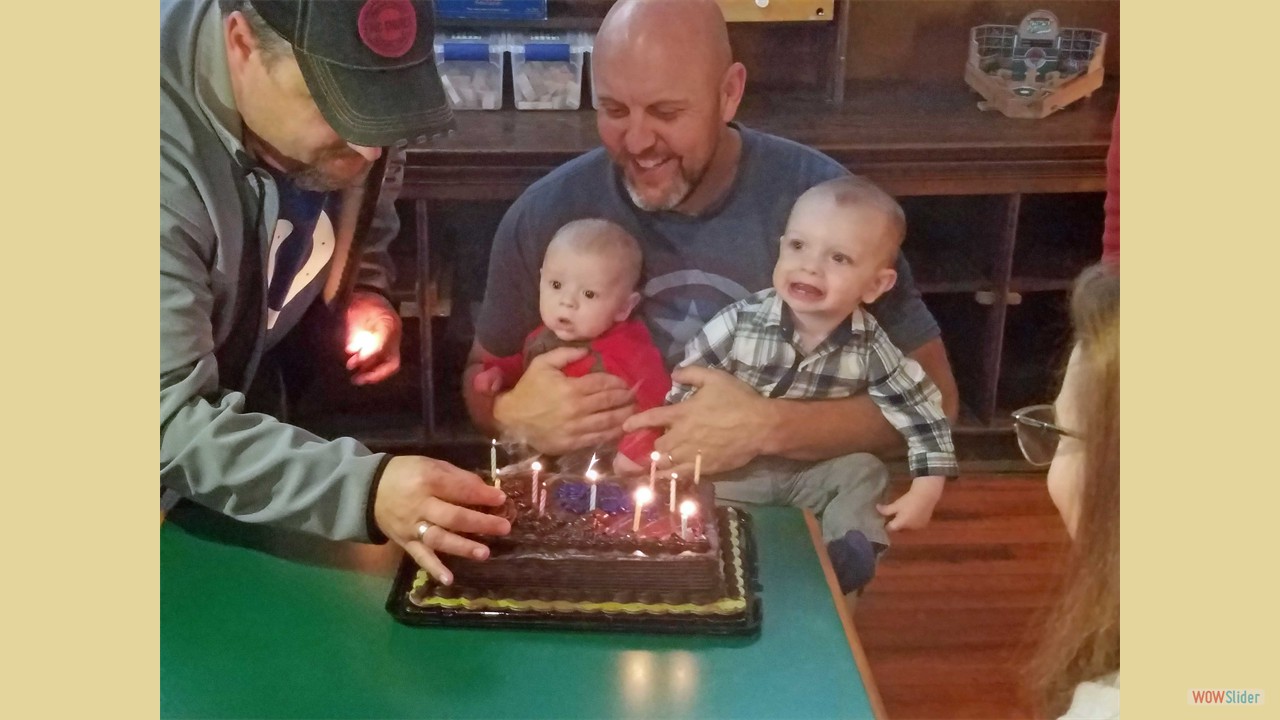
column 643, row 496
column 363, row 343
column 687, row 508
column 592, row 476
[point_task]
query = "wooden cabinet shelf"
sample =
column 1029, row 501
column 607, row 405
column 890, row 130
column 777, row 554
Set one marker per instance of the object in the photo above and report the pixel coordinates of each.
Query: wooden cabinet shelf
column 912, row 139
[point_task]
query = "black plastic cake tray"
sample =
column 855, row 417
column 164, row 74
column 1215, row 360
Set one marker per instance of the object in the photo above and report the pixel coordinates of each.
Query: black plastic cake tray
column 737, row 614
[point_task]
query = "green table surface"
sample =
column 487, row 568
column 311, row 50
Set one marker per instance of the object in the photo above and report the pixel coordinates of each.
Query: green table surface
column 256, row 622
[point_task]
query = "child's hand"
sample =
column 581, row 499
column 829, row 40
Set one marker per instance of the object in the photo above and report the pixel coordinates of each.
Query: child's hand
column 487, row 382
column 913, row 510
column 624, row 466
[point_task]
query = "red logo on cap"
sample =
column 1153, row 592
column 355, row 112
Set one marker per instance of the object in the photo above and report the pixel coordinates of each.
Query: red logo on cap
column 388, row 27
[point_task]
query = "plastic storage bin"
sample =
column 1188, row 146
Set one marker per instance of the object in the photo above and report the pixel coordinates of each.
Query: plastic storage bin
column 546, row 69
column 470, row 65
column 491, row 9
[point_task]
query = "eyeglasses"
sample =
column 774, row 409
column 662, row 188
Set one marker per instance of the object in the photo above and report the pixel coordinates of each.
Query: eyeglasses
column 1038, row 433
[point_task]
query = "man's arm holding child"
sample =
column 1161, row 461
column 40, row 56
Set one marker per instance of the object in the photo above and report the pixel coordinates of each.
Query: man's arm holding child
column 553, row 413
column 730, row 423
column 822, row 429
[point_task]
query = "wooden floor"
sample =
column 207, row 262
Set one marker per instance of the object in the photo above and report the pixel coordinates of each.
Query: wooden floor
column 954, row 608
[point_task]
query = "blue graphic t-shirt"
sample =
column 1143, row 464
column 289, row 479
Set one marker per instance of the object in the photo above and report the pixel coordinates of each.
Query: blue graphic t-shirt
column 693, row 266
column 298, row 259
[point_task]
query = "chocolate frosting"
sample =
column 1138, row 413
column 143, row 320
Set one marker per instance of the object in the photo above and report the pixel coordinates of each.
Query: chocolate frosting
column 572, row 553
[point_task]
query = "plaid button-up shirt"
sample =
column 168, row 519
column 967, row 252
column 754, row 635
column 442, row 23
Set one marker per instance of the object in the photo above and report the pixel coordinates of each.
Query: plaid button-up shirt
column 755, row 340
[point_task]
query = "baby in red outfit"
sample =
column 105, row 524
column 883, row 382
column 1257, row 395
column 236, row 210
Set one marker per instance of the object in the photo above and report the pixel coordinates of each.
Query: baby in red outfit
column 587, row 292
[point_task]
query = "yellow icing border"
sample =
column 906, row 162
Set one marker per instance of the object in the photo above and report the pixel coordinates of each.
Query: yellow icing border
column 725, row 606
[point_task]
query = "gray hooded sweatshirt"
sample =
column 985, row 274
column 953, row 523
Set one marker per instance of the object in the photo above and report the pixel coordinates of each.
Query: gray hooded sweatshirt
column 218, row 210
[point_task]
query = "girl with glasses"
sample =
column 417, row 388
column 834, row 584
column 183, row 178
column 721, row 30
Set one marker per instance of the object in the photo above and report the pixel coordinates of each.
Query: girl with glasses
column 1077, row 669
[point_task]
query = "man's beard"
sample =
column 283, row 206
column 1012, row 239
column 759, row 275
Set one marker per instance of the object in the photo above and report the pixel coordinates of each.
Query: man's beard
column 318, row 176
column 681, row 189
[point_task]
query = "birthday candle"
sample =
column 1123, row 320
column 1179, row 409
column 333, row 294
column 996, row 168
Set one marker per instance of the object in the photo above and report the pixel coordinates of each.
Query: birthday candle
column 591, row 479
column 687, row 508
column 653, row 469
column 643, row 496
column 533, row 484
column 542, row 501
column 674, row 477
column 697, row 468
column 364, row 343
column 493, row 463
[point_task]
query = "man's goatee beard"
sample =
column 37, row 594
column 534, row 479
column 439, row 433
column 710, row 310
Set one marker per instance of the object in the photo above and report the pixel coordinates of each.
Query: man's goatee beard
column 673, row 199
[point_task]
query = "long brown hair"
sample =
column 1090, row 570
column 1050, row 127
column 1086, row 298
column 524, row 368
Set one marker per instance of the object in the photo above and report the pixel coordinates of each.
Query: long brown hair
column 1082, row 639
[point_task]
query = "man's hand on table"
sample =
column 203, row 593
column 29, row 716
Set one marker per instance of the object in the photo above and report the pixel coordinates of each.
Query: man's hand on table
column 557, row 414
column 416, row 489
column 373, row 338
column 725, row 419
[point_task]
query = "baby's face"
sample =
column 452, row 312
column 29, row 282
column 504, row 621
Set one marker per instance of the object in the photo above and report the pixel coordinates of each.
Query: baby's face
column 833, row 259
column 581, row 295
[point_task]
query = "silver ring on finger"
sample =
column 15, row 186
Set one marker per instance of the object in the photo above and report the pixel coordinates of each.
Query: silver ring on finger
column 423, row 527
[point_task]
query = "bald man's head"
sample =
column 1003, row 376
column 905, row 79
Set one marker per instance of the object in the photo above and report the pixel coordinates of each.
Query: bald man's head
column 694, row 30
column 666, row 86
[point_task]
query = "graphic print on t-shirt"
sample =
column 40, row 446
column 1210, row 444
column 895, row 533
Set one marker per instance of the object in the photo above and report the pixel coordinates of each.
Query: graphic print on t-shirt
column 679, row 303
column 301, row 247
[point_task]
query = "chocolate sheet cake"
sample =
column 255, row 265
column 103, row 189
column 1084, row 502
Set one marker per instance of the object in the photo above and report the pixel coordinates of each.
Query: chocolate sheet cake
column 565, row 564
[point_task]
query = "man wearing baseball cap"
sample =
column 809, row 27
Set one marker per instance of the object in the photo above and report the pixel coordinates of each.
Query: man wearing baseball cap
column 272, row 114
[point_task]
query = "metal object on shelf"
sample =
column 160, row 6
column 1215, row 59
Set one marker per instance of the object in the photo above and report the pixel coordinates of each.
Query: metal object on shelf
column 1035, row 68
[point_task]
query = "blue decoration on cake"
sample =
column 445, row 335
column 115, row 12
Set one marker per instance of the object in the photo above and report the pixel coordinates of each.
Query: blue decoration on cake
column 575, row 497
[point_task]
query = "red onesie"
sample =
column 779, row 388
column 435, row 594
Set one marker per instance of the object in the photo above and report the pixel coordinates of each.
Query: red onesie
column 625, row 350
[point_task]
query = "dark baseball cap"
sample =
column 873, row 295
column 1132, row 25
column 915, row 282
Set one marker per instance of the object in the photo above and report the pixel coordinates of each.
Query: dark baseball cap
column 369, row 64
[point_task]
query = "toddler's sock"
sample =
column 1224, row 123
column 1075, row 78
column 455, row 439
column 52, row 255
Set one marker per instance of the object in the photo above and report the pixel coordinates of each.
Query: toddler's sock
column 854, row 559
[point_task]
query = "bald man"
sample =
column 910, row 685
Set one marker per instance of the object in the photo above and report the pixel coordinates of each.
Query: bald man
column 707, row 199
